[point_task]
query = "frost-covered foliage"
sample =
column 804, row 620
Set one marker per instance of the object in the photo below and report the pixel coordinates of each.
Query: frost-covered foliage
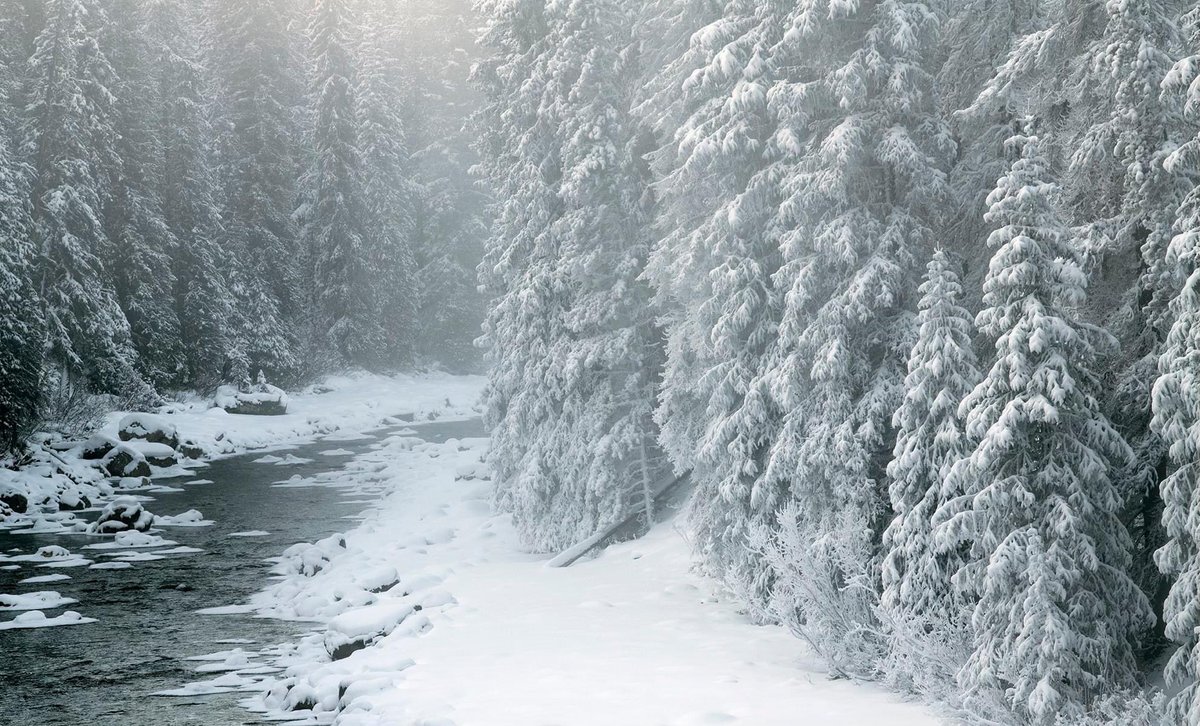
column 861, row 183
column 1057, row 616
column 929, row 441
column 712, row 271
column 985, row 544
column 1176, row 411
column 573, row 342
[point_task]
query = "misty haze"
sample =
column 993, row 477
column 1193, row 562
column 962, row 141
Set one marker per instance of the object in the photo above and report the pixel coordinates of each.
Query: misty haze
column 600, row 362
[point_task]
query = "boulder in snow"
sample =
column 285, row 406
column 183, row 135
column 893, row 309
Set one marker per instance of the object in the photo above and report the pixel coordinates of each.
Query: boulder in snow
column 264, row 400
column 14, row 501
column 98, row 447
column 145, row 427
column 125, row 461
column 123, row 515
column 258, row 399
column 159, row 455
column 190, row 449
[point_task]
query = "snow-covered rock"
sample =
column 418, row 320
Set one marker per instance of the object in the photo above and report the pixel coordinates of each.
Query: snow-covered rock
column 262, row 399
column 160, row 455
column 122, row 515
column 125, row 461
column 14, row 501
column 98, row 447
column 309, row 559
column 148, row 427
column 47, row 600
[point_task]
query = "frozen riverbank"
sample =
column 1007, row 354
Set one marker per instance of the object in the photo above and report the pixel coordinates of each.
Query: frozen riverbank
column 56, row 479
column 429, row 613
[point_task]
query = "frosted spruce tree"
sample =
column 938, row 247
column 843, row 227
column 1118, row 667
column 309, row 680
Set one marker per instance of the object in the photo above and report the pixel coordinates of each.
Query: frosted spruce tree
column 1133, row 131
column 712, row 272
column 343, row 316
column 1176, row 410
column 178, row 91
column 573, row 345
column 942, row 370
column 1057, row 616
column 519, row 272
column 388, row 189
column 607, row 359
column 22, row 331
column 69, row 141
column 1175, row 419
column 253, row 52
column 141, row 241
column 861, row 195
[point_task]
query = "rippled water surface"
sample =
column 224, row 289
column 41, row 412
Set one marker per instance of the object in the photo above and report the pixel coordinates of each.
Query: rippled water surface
column 104, row 673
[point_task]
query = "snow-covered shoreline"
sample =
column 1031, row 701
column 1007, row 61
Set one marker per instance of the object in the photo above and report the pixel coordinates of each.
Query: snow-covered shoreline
column 429, row 612
column 53, row 484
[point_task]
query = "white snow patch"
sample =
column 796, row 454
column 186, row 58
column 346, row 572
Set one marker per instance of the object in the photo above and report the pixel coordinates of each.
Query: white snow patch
column 47, row 600
column 44, row 579
column 38, row 619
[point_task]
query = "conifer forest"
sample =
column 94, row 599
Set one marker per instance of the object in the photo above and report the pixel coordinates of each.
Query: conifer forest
column 828, row 357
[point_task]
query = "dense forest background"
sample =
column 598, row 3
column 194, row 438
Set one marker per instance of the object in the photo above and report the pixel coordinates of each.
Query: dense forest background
column 907, row 288
column 194, row 192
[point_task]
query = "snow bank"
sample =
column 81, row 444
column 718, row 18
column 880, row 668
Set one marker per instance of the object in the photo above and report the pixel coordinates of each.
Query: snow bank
column 67, row 476
column 430, row 613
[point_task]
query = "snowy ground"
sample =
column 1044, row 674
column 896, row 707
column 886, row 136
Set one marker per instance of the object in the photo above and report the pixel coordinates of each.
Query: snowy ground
column 429, row 614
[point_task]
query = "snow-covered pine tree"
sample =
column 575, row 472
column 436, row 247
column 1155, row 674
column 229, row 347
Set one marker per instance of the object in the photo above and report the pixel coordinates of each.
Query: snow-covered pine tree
column 1176, row 404
column 518, row 272
column 929, row 442
column 344, row 314
column 862, row 192
column 447, row 205
column 69, row 141
column 22, row 331
column 712, row 270
column 1133, row 130
column 183, row 172
column 1057, row 615
column 141, row 242
column 607, row 358
column 388, row 189
column 253, row 51
column 1177, row 409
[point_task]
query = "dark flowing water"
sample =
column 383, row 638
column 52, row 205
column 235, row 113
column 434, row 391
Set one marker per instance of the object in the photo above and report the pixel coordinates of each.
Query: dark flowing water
column 104, row 672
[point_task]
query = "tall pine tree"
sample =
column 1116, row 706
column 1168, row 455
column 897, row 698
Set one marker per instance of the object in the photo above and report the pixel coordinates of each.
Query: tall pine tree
column 253, row 51
column 929, row 442
column 343, row 317
column 1057, row 615
column 69, row 140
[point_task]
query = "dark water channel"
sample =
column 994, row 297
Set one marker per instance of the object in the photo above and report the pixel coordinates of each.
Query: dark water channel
column 104, row 672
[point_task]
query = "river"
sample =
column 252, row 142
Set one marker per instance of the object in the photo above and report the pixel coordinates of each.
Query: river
column 105, row 672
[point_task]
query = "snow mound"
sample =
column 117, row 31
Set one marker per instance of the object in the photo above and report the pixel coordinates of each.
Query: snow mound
column 148, row 428
column 190, row 518
column 47, row 600
column 38, row 619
